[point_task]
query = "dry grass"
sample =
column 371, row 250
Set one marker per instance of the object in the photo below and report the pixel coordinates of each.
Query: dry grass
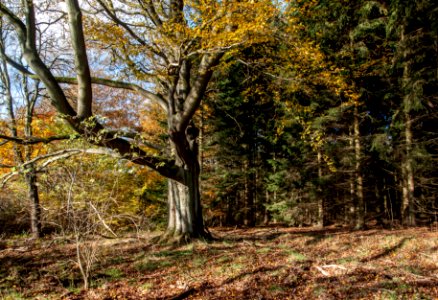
column 261, row 263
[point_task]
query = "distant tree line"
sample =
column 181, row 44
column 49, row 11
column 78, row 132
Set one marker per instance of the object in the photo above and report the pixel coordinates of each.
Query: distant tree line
column 249, row 113
column 352, row 152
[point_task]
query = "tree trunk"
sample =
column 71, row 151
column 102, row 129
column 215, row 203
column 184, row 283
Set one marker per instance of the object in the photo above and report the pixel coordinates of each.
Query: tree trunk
column 35, row 208
column 350, row 204
column 185, row 219
column 20, row 157
column 360, row 211
column 185, row 212
column 407, row 207
column 249, row 215
column 321, row 202
column 266, row 213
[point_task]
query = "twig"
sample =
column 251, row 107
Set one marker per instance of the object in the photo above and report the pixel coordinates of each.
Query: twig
column 102, row 220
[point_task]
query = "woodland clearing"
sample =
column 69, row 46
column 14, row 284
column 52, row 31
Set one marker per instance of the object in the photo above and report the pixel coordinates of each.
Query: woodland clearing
column 258, row 263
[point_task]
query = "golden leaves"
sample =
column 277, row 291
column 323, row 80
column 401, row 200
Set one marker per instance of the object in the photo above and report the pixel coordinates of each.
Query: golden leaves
column 41, row 127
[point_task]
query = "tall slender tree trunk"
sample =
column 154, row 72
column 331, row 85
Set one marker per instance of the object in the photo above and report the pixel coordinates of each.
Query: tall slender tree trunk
column 350, row 207
column 266, row 213
column 408, row 186
column 30, row 175
column 407, row 207
column 249, row 217
column 360, row 204
column 321, row 202
column 35, row 207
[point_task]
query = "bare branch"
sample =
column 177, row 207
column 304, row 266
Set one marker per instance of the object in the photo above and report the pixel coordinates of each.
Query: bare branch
column 6, row 166
column 55, row 156
column 101, row 81
column 151, row 12
column 38, row 140
column 102, row 220
column 119, row 22
column 26, row 36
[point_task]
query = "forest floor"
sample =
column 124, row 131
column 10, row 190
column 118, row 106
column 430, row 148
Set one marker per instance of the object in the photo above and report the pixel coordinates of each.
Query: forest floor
column 260, row 263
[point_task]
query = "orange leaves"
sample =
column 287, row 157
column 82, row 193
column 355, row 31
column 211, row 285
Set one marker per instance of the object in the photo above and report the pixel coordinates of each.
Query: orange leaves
column 40, row 128
column 151, row 122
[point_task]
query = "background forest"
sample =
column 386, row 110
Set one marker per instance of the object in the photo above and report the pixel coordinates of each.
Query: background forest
column 204, row 149
column 328, row 117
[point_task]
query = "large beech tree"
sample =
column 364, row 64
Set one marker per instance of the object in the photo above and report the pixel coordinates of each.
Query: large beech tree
column 166, row 51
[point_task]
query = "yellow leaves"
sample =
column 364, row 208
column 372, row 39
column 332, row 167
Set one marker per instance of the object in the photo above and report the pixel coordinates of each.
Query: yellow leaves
column 316, row 139
column 330, row 163
column 103, row 32
column 6, row 157
column 225, row 24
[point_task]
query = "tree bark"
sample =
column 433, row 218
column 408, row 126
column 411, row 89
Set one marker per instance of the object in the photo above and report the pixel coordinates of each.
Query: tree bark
column 185, row 214
column 35, row 208
column 249, row 213
column 321, row 208
column 360, row 205
column 20, row 157
column 407, row 207
column 185, row 220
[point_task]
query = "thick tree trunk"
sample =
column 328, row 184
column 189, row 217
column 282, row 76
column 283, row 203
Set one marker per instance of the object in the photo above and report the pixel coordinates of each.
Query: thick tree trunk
column 185, row 219
column 185, row 212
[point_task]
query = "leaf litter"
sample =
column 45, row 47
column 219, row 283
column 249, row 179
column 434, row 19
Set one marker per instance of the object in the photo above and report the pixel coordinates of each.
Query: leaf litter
column 256, row 263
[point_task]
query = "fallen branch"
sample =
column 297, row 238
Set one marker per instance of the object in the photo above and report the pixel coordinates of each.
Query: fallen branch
column 325, row 273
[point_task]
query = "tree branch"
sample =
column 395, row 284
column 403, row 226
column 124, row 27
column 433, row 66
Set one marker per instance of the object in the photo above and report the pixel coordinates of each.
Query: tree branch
column 26, row 36
column 37, row 140
column 55, row 156
column 151, row 12
column 102, row 220
column 197, row 91
column 136, row 136
column 96, row 80
column 6, row 166
column 85, row 92
column 119, row 22
column 99, row 137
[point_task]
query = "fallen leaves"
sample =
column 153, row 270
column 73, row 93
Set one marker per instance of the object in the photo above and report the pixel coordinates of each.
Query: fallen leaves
column 259, row 263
